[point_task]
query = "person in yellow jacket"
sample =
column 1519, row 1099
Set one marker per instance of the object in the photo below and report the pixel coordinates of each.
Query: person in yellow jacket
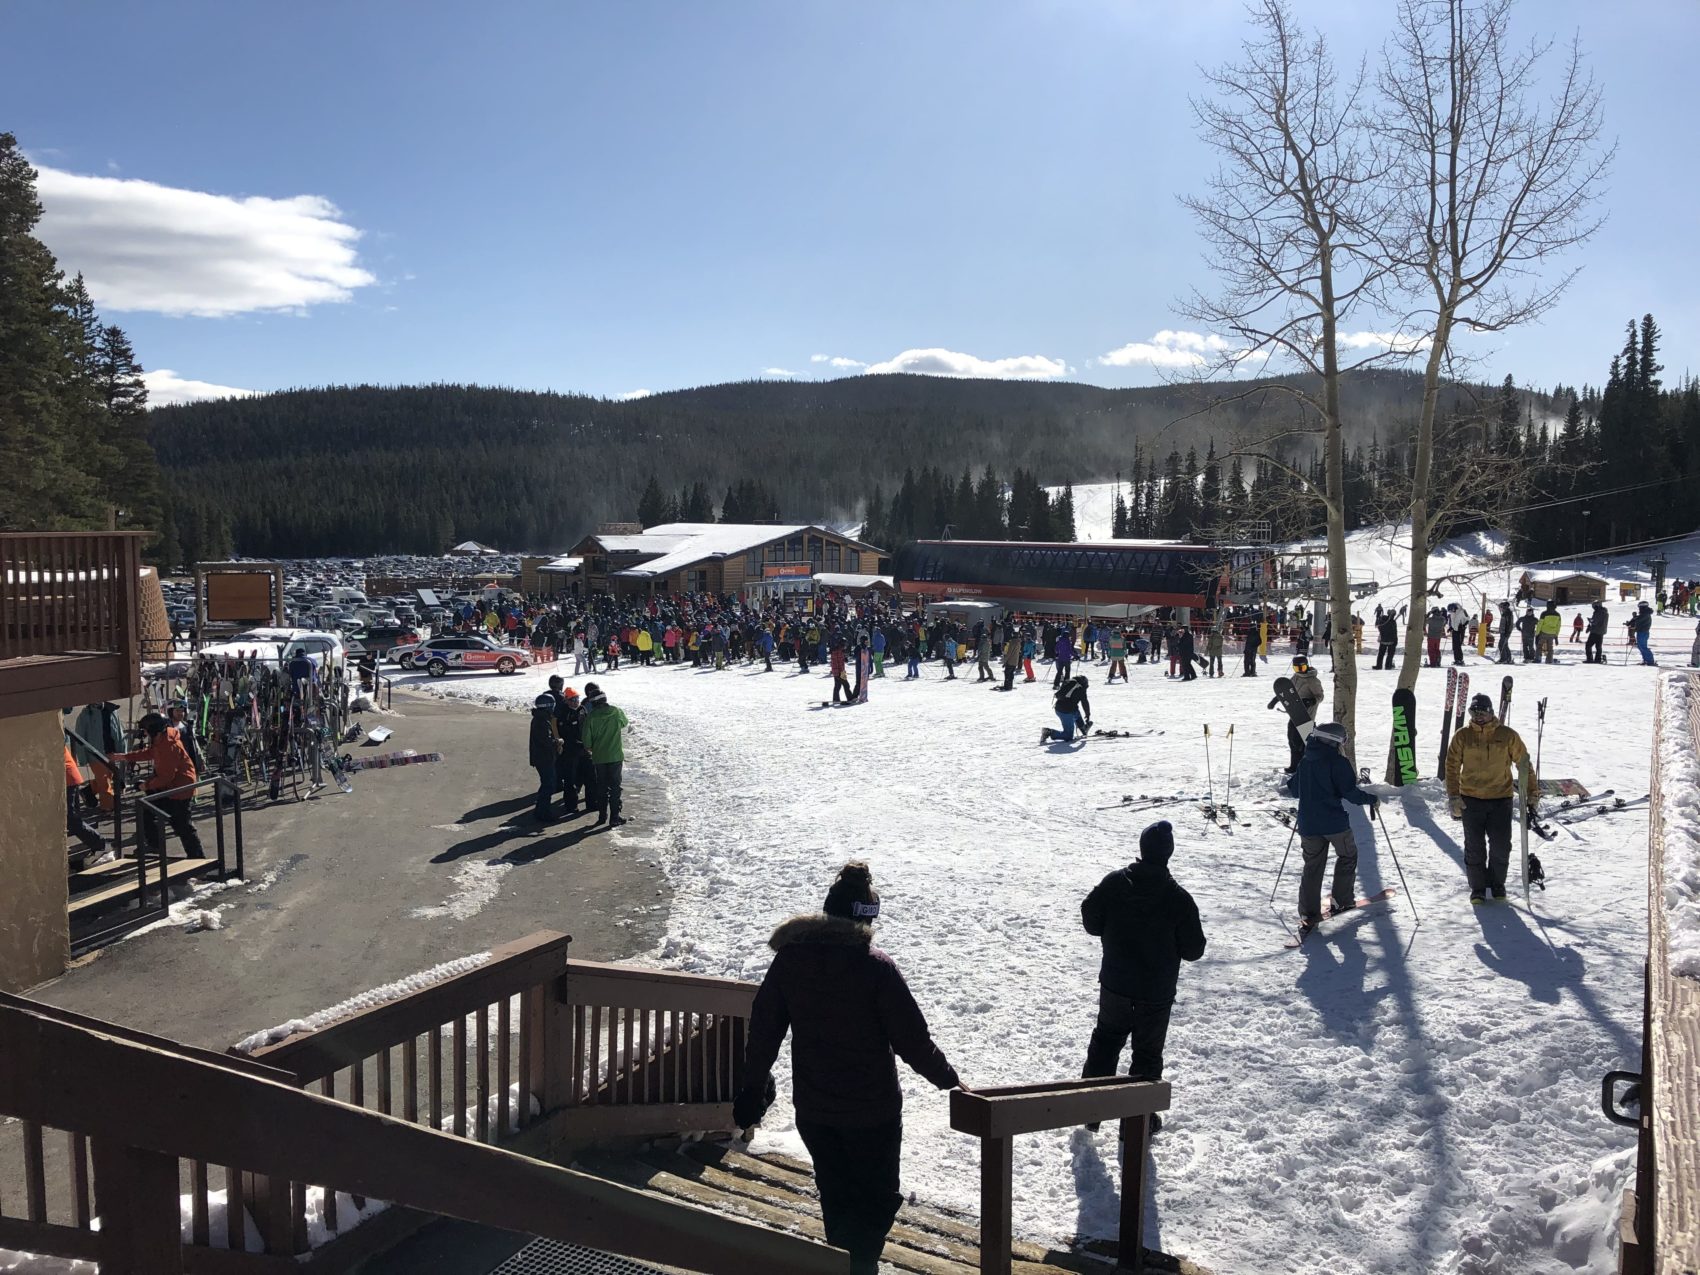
column 645, row 645
column 1484, row 763
column 1546, row 632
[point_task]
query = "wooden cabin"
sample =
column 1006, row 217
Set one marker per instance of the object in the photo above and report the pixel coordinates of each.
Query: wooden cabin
column 755, row 559
column 1577, row 589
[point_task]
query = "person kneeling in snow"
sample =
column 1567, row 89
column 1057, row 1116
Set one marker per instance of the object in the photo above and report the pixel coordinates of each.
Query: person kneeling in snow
column 1148, row 925
column 848, row 1010
column 1073, row 710
column 1325, row 780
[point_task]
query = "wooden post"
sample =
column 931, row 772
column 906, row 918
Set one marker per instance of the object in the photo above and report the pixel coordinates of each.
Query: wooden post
column 997, row 1169
column 1136, row 1137
column 139, row 1223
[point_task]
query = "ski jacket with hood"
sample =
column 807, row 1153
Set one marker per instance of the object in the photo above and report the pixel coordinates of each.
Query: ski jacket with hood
column 850, row 1015
column 1148, row 925
column 1309, row 688
column 1326, row 780
column 545, row 738
column 1644, row 619
column 1549, row 624
column 1598, row 621
column 1435, row 625
column 171, row 765
column 1071, row 698
column 599, row 731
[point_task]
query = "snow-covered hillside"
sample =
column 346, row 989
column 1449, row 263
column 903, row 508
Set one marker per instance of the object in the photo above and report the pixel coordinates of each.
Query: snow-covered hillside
column 1389, row 1098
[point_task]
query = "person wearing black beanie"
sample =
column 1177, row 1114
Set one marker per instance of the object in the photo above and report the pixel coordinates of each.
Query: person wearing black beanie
column 1147, row 925
column 849, row 1012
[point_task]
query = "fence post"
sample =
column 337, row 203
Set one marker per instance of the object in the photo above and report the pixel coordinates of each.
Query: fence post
column 550, row 1033
column 1136, row 1137
column 136, row 1190
column 997, row 1170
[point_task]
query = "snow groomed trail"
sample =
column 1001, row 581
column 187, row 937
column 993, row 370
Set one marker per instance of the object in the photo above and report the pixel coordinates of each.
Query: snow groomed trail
column 1387, row 1098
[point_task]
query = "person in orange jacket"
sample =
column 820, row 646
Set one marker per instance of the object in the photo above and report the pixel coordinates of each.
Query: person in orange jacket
column 172, row 769
column 74, row 825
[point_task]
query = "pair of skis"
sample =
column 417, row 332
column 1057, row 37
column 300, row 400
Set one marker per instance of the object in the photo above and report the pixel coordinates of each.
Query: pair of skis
column 1457, row 696
column 1221, row 813
column 1330, row 912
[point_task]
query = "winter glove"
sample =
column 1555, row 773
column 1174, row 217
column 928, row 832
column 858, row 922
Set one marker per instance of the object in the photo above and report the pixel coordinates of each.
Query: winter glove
column 1457, row 807
column 752, row 1103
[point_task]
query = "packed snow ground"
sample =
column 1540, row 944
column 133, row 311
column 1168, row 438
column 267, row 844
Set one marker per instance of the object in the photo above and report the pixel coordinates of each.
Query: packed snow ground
column 1389, row 1098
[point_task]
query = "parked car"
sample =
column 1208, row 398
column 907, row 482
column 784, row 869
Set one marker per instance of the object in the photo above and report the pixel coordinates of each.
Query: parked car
column 278, row 646
column 462, row 653
column 382, row 639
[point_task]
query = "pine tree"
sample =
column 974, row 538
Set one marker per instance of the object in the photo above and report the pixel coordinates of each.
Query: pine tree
column 135, row 485
column 652, row 505
column 1062, row 515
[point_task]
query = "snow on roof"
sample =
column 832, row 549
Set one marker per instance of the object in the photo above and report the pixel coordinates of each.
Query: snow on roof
column 850, row 580
column 699, row 540
column 472, row 546
column 646, row 543
column 564, row 565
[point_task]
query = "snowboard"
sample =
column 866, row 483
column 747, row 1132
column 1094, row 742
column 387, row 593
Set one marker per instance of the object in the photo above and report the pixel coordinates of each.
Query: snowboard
column 1446, row 718
column 1405, row 737
column 1287, row 696
column 1330, row 913
column 1505, row 701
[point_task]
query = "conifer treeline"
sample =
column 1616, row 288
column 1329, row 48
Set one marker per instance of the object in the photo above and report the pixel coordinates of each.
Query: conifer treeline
column 74, row 449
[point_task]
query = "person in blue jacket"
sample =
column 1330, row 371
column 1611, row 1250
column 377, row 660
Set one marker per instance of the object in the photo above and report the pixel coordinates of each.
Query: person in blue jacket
column 878, row 648
column 1325, row 781
column 766, row 643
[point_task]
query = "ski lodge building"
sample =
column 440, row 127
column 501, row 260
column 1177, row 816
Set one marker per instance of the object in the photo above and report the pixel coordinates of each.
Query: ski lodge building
column 760, row 560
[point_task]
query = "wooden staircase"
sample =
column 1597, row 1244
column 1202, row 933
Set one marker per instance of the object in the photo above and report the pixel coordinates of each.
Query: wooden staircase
column 778, row 1192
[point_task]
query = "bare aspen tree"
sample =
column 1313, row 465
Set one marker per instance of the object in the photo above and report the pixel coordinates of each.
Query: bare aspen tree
column 1285, row 218
column 1492, row 172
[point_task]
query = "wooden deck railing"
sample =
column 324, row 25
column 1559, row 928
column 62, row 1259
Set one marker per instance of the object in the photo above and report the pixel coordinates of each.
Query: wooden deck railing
column 1659, row 1231
column 995, row 1116
column 147, row 1115
column 528, row 1050
column 69, row 592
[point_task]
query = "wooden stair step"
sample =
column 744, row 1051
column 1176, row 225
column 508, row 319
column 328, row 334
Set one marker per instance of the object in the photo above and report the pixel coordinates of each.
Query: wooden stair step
column 124, row 883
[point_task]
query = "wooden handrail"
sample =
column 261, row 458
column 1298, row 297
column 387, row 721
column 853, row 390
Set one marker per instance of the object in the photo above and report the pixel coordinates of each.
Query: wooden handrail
column 535, row 960
column 632, row 987
column 144, row 1104
column 995, row 1116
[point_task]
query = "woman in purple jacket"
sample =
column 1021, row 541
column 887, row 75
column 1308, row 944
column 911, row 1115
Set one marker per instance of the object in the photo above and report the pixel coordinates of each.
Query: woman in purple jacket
column 849, row 1011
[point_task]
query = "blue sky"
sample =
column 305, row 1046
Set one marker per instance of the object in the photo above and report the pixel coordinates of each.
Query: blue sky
column 615, row 197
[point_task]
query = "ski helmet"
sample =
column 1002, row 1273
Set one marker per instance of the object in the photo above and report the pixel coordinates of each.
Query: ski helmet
column 1331, row 733
column 544, row 700
column 1301, row 661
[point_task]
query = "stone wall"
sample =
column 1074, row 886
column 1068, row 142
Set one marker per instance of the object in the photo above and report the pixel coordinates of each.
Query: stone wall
column 34, row 939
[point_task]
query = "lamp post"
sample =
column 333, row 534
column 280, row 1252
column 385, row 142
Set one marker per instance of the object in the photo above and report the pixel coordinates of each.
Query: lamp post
column 1657, row 564
column 1586, row 514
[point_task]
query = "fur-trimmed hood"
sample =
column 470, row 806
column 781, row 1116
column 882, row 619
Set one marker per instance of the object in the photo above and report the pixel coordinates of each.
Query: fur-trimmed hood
column 818, row 927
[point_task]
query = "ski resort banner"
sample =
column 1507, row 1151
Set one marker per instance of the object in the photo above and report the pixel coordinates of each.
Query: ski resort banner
column 787, row 571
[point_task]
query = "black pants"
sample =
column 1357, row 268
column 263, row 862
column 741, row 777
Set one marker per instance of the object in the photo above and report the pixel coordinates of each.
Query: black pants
column 1121, row 1018
column 856, row 1171
column 1593, row 651
column 1063, row 667
column 548, row 780
column 575, row 772
column 1295, row 745
column 1009, row 672
column 182, row 823
column 1384, row 654
column 74, row 825
column 1487, row 842
column 1457, row 646
column 608, row 789
column 1315, row 851
column 839, row 682
column 1250, row 664
column 1505, row 648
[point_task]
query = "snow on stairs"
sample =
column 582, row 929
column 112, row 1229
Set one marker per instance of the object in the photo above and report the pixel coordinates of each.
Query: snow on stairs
column 779, row 1191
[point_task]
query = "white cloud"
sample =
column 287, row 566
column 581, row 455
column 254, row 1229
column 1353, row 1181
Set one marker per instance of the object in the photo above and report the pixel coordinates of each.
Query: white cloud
column 165, row 387
column 143, row 246
column 630, row 394
column 817, row 358
column 1168, row 348
column 776, row 371
column 937, row 362
column 838, row 361
column 1398, row 342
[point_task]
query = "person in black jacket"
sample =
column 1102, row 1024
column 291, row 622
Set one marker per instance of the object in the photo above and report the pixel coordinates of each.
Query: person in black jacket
column 1387, row 638
column 1073, row 710
column 545, row 754
column 849, row 1011
column 573, row 770
column 1593, row 650
column 1148, row 925
column 1252, row 642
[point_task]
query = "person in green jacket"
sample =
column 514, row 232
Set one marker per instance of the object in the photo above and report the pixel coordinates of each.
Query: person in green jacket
column 1546, row 632
column 600, row 734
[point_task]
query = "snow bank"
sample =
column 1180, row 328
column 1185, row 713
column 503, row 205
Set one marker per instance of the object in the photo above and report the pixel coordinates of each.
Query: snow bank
column 364, row 1001
column 1679, row 780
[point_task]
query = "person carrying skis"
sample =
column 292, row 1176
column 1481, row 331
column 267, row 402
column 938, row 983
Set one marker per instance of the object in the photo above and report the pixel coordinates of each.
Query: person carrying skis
column 1309, row 688
column 1147, row 924
column 1546, row 633
column 1073, row 711
column 850, row 1015
column 1386, row 637
column 1484, row 763
column 1325, row 781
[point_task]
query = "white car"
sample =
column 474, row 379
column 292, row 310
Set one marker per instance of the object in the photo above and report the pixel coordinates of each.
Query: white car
column 462, row 653
column 279, row 646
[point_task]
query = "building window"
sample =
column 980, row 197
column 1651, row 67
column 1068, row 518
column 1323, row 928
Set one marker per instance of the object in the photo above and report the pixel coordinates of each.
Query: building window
column 855, row 556
column 794, row 549
column 814, row 553
column 832, row 557
column 752, row 565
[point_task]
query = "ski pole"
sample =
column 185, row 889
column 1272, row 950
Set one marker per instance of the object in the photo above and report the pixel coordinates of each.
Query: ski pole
column 1279, row 872
column 1403, row 884
column 1209, row 778
column 1228, row 784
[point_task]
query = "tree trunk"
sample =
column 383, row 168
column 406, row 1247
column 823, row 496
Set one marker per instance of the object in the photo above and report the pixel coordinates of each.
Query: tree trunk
column 1410, row 662
column 1344, row 652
